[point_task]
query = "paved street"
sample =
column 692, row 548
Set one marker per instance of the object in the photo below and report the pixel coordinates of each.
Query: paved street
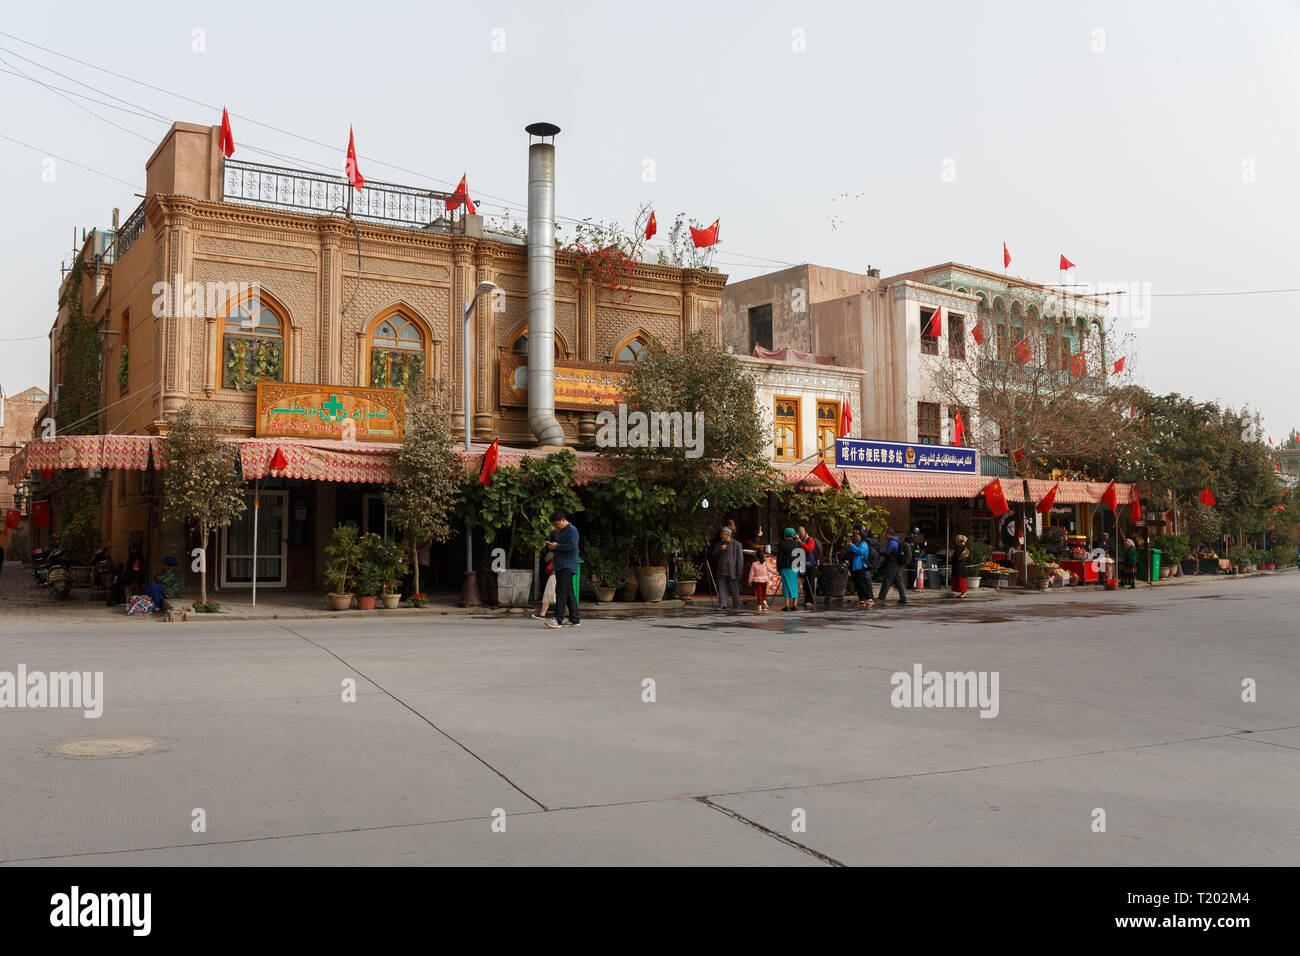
column 1130, row 703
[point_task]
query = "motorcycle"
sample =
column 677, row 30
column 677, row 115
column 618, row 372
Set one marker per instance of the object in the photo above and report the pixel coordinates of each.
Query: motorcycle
column 40, row 565
column 60, row 574
column 101, row 573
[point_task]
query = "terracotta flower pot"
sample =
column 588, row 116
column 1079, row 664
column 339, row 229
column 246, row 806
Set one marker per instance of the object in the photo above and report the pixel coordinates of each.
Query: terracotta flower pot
column 391, row 601
column 605, row 595
column 684, row 589
column 366, row 603
column 339, row 602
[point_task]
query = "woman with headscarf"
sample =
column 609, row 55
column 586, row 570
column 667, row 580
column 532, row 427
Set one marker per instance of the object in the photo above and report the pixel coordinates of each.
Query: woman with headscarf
column 957, row 560
column 1128, row 570
column 788, row 567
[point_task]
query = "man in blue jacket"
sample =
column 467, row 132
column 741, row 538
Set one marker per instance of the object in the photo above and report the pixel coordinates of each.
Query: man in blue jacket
column 858, row 554
column 897, row 555
column 564, row 555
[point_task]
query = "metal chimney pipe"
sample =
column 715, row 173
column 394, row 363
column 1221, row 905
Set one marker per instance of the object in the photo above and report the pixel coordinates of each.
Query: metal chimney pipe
column 541, row 287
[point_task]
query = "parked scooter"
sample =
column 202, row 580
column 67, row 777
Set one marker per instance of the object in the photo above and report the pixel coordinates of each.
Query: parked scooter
column 40, row 565
column 101, row 570
column 60, row 574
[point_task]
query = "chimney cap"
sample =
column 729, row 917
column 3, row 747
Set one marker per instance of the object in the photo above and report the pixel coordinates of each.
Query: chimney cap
column 541, row 129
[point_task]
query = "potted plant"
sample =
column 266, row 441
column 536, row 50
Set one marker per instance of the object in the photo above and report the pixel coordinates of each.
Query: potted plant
column 369, row 580
column 389, row 559
column 688, row 576
column 608, row 571
column 979, row 553
column 418, row 599
column 343, row 560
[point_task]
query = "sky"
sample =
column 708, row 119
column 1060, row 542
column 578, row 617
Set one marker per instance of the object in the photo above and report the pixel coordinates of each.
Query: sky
column 1153, row 144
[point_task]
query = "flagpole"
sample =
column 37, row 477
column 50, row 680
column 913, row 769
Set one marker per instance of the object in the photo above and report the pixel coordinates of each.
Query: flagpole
column 256, row 509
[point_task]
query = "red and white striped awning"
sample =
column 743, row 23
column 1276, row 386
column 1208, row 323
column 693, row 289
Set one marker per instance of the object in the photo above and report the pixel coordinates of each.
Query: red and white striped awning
column 591, row 466
column 129, row 452
column 1074, row 492
column 318, row 459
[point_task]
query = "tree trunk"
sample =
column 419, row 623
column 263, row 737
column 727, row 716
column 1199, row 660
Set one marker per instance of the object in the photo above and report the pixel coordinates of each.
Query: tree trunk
column 203, row 563
column 415, row 567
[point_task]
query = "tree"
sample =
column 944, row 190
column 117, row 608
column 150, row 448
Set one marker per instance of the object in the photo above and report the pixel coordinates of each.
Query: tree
column 833, row 515
column 1032, row 407
column 202, row 486
column 724, row 464
column 427, row 475
column 519, row 502
column 76, row 412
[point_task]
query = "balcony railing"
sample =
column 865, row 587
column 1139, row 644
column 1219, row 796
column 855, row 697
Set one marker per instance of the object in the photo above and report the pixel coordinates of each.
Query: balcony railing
column 129, row 231
column 297, row 190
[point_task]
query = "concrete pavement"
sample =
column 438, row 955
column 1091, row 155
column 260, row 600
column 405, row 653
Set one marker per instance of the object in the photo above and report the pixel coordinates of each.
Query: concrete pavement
column 1128, row 703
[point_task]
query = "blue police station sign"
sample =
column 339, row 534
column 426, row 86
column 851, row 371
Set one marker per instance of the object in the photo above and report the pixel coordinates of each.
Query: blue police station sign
column 903, row 456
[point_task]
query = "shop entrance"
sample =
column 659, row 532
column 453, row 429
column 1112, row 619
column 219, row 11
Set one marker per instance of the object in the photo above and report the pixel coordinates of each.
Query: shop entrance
column 272, row 541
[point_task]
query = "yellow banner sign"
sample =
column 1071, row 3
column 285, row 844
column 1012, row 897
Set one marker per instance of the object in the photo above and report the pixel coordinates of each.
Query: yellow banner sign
column 579, row 386
column 289, row 410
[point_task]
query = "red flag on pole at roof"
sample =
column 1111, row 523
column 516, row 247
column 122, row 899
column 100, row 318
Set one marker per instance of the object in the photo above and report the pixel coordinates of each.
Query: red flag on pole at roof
column 1117, row 367
column 461, row 195
column 227, row 137
column 651, row 227
column 1110, row 498
column 705, row 237
column 489, row 464
column 1066, row 263
column 350, row 167
column 997, row 501
column 1044, row 506
column 1006, row 256
column 824, row 473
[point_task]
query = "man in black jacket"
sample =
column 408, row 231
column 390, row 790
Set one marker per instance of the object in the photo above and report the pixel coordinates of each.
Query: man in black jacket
column 564, row 555
column 730, row 560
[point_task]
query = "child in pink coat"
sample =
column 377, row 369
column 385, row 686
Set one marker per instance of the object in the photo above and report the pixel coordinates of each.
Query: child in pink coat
column 758, row 577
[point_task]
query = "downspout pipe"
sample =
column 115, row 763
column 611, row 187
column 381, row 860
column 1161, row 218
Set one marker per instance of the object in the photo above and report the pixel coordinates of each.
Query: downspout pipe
column 541, row 288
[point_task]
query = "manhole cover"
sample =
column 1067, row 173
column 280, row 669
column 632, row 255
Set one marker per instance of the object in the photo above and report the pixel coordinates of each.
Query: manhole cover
column 108, row 746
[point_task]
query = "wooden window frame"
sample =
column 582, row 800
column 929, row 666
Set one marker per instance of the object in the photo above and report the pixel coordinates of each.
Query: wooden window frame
column 937, row 434
column 224, row 337
column 956, row 336
column 779, row 422
column 929, row 343
column 830, row 431
column 391, row 316
column 770, row 330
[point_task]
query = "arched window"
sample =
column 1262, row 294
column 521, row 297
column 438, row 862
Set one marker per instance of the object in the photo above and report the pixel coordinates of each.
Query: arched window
column 397, row 354
column 520, row 346
column 252, row 346
column 631, row 351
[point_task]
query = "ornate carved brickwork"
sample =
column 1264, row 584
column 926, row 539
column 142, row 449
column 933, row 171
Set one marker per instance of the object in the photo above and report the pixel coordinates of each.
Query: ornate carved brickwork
column 426, row 271
column 240, row 248
column 512, row 282
column 429, row 303
column 612, row 325
column 649, row 300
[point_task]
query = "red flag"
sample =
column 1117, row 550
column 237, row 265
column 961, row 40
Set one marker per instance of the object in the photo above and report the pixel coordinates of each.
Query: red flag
column 1024, row 351
column 824, row 473
column 1066, row 263
column 40, row 514
column 705, row 237
column 958, row 429
column 934, row 328
column 461, row 195
column 977, row 333
column 1078, row 365
column 1207, row 498
column 1117, row 367
column 1111, row 499
column 350, row 167
column 1019, row 454
column 278, row 461
column 1045, row 505
column 47, row 472
column 489, row 464
column 227, row 137
column 1135, row 510
column 13, row 518
column 997, row 501
column 846, row 420
column 651, row 227
column 1006, row 256
column 1169, row 517
column 1270, row 439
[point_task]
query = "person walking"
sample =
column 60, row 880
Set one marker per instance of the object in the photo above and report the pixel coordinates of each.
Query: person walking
column 1128, row 570
column 564, row 554
column 785, row 564
column 813, row 553
column 730, row 561
column 548, row 592
column 957, row 561
column 895, row 559
column 759, row 578
column 858, row 554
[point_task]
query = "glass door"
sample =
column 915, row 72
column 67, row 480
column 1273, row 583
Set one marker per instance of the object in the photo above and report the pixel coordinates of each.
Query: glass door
column 237, row 566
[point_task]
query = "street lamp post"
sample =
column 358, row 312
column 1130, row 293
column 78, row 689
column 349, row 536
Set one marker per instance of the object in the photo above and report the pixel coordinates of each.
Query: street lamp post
column 469, row 586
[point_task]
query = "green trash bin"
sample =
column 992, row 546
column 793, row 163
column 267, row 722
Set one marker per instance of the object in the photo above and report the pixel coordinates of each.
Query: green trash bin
column 1153, row 565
